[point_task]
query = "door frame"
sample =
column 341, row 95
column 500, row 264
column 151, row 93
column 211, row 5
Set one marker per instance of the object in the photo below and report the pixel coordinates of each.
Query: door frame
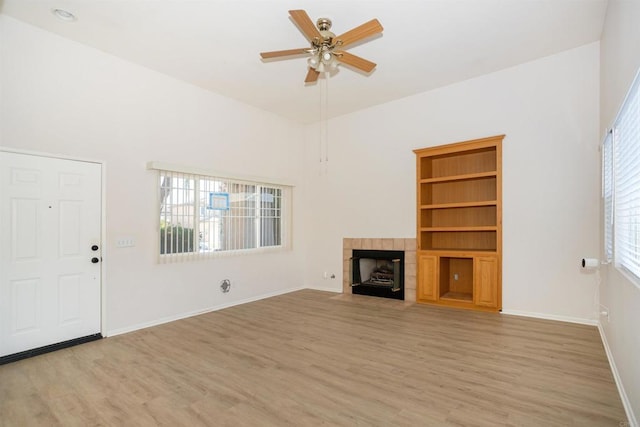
column 103, row 215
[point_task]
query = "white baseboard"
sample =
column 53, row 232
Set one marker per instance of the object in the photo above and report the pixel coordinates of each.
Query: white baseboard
column 633, row 422
column 546, row 316
column 327, row 289
column 197, row 312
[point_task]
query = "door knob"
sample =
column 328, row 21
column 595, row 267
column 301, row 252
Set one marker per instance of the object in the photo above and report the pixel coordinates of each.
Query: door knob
column 94, row 248
column 95, row 260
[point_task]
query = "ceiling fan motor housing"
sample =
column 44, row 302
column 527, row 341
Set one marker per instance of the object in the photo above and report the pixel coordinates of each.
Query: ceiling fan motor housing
column 324, row 24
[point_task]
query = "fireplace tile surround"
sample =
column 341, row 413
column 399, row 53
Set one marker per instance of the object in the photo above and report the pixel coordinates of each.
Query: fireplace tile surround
column 386, row 244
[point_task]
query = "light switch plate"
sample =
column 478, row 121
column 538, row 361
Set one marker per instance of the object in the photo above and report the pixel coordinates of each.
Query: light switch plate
column 125, row 242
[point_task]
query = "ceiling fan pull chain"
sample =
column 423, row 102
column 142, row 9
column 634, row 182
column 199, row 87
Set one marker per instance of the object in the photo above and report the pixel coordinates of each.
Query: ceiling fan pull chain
column 321, row 128
column 326, row 116
column 323, row 120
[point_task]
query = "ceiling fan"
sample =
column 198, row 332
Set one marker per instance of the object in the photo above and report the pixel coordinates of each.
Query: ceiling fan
column 326, row 49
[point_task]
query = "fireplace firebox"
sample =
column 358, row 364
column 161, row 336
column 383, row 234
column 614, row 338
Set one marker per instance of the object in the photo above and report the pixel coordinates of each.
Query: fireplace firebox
column 378, row 273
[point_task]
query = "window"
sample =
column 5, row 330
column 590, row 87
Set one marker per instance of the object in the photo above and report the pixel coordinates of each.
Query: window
column 607, row 194
column 203, row 216
column 624, row 158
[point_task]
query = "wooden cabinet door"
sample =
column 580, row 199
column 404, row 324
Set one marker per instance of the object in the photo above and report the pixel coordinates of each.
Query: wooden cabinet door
column 485, row 279
column 427, row 278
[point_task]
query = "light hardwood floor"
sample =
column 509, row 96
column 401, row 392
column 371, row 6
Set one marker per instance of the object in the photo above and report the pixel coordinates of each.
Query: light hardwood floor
column 315, row 358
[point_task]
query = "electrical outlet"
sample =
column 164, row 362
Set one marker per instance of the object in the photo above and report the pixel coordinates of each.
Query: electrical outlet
column 456, row 276
column 604, row 312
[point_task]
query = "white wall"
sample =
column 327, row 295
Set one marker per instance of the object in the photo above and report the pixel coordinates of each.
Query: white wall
column 620, row 61
column 64, row 98
column 548, row 110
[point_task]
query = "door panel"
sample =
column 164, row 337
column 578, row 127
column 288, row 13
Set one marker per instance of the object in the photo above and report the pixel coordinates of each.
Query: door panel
column 486, row 281
column 427, row 278
column 25, row 303
column 69, row 298
column 50, row 213
column 70, row 231
column 25, row 214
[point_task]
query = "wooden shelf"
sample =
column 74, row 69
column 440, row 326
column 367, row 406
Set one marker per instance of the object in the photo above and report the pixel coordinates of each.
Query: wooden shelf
column 463, row 177
column 467, row 240
column 480, row 190
column 466, row 228
column 460, row 205
column 457, row 296
column 453, row 252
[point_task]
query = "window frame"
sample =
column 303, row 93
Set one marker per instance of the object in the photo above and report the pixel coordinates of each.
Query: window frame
column 252, row 226
column 608, row 196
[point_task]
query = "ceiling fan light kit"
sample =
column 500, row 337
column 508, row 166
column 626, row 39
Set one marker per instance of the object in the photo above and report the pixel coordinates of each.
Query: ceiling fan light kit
column 326, row 47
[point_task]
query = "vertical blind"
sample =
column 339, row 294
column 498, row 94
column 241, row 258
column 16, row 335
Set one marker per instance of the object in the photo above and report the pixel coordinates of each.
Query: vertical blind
column 626, row 185
column 204, row 216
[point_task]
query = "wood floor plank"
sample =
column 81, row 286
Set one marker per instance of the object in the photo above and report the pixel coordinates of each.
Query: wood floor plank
column 313, row 358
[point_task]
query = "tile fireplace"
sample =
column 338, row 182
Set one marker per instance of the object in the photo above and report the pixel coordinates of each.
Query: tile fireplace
column 384, row 267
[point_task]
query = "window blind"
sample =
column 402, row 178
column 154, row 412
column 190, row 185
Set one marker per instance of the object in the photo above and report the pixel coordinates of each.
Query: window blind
column 626, row 148
column 205, row 216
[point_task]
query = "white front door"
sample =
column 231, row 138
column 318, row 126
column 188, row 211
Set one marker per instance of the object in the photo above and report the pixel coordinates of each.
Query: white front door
column 50, row 251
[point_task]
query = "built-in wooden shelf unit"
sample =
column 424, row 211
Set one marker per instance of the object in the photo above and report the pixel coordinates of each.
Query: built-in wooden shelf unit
column 459, row 218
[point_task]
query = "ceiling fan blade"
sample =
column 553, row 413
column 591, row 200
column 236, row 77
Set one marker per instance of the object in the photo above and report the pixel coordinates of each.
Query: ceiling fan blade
column 279, row 53
column 356, row 61
column 312, row 76
column 305, row 24
column 361, row 32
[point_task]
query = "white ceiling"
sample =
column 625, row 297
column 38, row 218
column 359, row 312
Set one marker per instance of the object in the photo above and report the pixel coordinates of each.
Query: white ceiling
column 426, row 44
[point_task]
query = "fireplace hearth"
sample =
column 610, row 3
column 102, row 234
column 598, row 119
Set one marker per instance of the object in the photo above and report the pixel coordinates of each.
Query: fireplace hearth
column 377, row 273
